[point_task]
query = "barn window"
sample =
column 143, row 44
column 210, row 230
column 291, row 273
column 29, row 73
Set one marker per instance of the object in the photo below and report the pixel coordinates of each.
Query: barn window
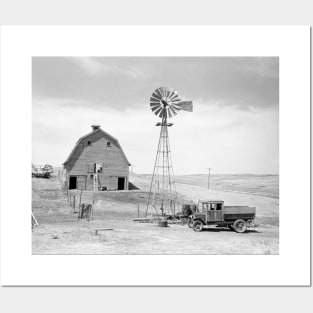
column 109, row 144
column 91, row 167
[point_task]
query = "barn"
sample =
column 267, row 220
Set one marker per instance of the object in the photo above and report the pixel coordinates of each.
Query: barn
column 97, row 162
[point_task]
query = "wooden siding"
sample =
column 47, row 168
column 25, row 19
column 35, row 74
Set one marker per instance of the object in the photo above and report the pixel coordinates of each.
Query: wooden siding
column 111, row 158
column 81, row 182
column 110, row 182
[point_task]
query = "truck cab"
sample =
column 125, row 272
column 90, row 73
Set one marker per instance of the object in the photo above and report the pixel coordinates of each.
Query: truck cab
column 213, row 212
column 209, row 211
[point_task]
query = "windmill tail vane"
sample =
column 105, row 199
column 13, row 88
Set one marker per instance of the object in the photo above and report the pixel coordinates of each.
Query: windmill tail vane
column 186, row 106
column 164, row 103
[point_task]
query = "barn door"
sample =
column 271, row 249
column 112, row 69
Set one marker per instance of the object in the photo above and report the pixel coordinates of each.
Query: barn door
column 121, row 183
column 73, row 182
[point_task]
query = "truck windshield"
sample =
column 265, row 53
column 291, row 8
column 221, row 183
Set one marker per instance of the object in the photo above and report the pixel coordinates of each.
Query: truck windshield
column 205, row 207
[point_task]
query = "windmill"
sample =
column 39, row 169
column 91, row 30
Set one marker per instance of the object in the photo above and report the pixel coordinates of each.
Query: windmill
column 165, row 103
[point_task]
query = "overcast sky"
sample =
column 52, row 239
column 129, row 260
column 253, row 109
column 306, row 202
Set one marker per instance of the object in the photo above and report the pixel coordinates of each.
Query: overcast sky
column 233, row 129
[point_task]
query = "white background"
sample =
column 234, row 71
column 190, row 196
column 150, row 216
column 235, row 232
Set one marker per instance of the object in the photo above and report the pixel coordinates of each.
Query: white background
column 291, row 44
column 139, row 12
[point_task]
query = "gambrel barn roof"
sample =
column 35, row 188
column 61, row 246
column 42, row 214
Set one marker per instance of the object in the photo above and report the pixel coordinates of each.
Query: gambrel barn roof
column 96, row 129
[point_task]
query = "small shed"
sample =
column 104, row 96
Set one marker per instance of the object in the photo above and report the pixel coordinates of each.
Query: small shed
column 97, row 162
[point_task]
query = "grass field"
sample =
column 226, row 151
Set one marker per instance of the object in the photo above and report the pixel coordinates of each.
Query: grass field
column 60, row 231
column 262, row 185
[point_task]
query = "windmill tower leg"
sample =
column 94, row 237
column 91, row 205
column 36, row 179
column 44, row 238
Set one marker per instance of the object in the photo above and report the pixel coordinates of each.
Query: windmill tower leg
column 162, row 192
column 151, row 194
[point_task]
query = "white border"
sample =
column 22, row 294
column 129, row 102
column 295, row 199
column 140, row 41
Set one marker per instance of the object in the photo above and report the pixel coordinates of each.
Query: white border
column 290, row 43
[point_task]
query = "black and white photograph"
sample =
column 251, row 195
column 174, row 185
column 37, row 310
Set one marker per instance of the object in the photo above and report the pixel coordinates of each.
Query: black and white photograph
column 142, row 155
column 166, row 155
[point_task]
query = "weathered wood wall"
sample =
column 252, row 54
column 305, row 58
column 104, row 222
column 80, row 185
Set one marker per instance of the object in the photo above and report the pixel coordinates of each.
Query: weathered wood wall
column 81, row 182
column 111, row 158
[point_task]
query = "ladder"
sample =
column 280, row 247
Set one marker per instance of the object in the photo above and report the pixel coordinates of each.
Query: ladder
column 95, row 181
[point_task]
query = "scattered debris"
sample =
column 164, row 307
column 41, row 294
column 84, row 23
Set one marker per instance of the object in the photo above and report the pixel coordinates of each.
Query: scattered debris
column 102, row 229
column 85, row 211
column 163, row 222
column 144, row 220
column 34, row 221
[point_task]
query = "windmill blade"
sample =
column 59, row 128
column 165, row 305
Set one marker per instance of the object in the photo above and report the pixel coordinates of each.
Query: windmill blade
column 157, row 111
column 153, row 108
column 163, row 113
column 172, row 92
column 162, row 91
column 154, row 103
column 154, row 98
column 175, row 106
column 157, row 94
column 172, row 110
column 186, row 106
column 169, row 112
column 156, row 108
column 175, row 98
column 166, row 102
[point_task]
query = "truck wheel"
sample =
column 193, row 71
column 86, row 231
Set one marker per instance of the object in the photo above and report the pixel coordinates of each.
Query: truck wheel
column 197, row 226
column 189, row 222
column 240, row 226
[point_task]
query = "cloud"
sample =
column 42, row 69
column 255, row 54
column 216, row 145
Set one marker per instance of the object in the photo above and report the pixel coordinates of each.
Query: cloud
column 123, row 82
column 227, row 139
column 90, row 65
column 94, row 66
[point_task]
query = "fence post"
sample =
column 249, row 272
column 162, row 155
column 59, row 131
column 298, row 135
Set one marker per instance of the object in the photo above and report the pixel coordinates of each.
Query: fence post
column 80, row 198
column 92, row 207
column 74, row 203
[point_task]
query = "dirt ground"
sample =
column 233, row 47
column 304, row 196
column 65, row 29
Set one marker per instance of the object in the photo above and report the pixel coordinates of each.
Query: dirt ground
column 60, row 231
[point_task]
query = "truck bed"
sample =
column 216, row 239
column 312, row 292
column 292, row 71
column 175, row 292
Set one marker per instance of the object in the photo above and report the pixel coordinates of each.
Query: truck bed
column 236, row 212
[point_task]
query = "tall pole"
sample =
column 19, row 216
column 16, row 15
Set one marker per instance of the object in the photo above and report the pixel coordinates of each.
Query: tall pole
column 162, row 175
column 209, row 177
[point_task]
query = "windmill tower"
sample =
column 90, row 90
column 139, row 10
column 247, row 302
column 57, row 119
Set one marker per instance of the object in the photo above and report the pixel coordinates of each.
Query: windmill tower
column 165, row 103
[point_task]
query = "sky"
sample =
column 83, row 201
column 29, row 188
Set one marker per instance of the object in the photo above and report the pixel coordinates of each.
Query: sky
column 233, row 127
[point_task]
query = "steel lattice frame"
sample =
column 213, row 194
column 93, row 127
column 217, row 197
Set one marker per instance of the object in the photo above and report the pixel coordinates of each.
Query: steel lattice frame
column 165, row 103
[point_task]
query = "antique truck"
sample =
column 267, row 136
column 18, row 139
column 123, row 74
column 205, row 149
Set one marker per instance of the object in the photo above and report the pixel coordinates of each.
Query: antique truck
column 213, row 212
